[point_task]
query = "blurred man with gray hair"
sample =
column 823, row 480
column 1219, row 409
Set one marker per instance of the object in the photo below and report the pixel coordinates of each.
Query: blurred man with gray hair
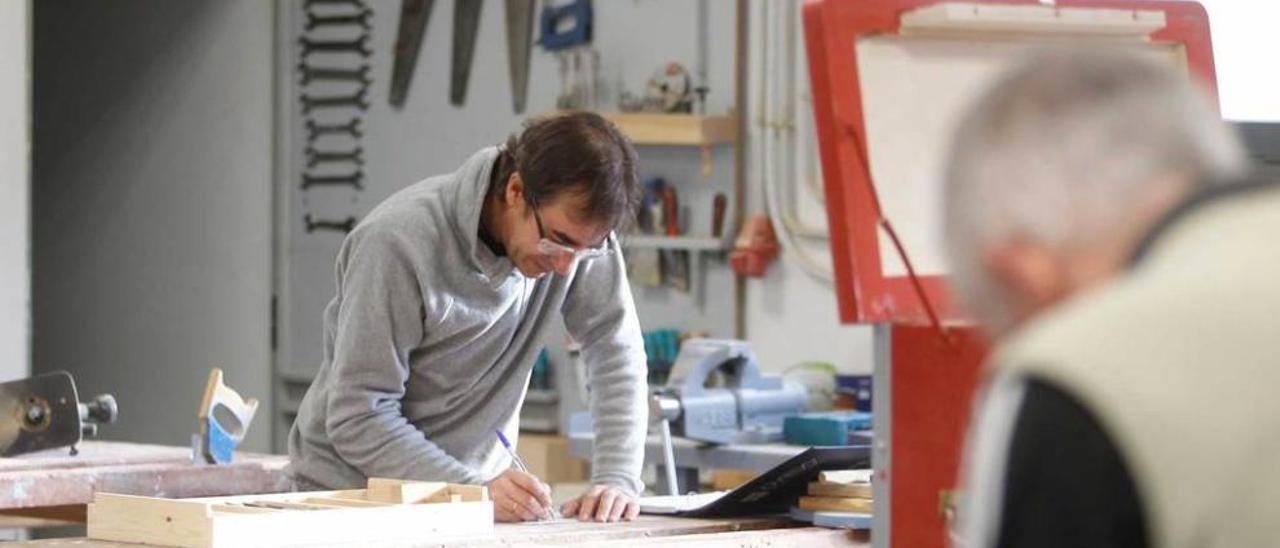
column 1103, row 229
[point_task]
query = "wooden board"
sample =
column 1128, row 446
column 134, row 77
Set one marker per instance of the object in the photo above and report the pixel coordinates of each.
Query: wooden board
column 55, row 478
column 853, row 490
column 38, row 518
column 834, row 504
column 291, row 519
column 399, row 492
column 730, row 479
column 644, row 531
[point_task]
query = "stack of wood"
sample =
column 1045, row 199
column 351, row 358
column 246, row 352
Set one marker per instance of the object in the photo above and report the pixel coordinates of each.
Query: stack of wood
column 845, row 491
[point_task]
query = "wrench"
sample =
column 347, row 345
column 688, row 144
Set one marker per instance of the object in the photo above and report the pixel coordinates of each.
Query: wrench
column 316, row 131
column 351, row 179
column 309, row 73
column 355, row 45
column 359, row 18
column 322, row 224
column 358, row 4
column 316, row 157
column 355, row 100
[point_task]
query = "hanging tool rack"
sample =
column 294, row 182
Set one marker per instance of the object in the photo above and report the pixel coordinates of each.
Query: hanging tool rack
column 334, row 50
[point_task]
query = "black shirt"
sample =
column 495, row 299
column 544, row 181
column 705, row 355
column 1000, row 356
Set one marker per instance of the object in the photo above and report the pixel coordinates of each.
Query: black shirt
column 1066, row 483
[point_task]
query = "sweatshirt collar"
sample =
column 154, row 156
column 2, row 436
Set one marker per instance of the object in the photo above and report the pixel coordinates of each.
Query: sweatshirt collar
column 470, row 188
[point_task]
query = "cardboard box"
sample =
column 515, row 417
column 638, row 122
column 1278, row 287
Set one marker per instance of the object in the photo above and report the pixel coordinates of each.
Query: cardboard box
column 548, row 458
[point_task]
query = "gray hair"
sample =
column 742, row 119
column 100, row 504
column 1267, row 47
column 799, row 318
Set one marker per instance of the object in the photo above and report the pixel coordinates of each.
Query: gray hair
column 1060, row 149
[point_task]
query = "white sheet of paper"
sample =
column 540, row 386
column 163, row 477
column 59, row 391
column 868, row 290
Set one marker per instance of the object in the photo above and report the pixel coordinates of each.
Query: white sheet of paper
column 670, row 504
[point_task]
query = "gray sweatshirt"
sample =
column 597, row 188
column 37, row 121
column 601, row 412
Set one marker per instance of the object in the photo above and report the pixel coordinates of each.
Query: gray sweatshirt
column 431, row 338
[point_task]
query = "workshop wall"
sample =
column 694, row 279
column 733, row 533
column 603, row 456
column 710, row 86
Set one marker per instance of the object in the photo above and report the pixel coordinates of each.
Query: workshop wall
column 152, row 203
column 791, row 315
column 15, row 146
column 430, row 136
column 790, row 318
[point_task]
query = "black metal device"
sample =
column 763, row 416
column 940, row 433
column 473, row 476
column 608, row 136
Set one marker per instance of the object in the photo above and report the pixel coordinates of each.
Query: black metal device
column 45, row 412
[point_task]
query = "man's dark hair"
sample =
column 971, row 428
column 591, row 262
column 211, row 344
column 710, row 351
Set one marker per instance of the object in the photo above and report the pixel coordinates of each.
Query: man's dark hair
column 580, row 153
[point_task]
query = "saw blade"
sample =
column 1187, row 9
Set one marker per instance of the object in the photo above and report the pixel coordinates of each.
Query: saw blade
column 466, row 24
column 519, row 46
column 414, row 15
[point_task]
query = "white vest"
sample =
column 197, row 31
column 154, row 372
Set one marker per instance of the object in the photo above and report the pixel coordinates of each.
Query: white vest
column 1180, row 362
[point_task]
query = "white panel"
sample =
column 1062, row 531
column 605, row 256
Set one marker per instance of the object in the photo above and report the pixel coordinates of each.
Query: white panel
column 15, row 270
column 914, row 91
column 1244, row 45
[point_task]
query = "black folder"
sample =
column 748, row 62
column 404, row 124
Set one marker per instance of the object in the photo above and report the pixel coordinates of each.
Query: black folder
column 776, row 491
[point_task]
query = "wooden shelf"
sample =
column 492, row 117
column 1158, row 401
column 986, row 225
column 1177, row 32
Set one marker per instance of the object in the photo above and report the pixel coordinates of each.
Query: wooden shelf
column 534, row 395
column 675, row 129
column 688, row 243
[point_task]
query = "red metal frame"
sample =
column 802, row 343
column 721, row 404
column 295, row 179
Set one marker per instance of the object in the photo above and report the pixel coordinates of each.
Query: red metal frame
column 863, row 293
column 932, row 382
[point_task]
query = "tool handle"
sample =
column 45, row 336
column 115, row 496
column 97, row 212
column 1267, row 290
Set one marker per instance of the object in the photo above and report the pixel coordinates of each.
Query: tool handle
column 670, row 211
column 718, row 208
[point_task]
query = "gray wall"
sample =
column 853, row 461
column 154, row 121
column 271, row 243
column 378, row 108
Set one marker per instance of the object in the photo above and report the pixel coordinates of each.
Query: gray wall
column 430, row 136
column 792, row 317
column 152, row 203
column 15, row 271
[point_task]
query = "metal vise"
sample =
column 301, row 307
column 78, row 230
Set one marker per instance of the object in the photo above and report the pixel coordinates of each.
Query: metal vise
column 716, row 393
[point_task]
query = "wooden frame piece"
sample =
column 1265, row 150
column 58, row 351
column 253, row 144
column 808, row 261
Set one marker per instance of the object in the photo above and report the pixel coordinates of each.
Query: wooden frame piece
column 426, row 511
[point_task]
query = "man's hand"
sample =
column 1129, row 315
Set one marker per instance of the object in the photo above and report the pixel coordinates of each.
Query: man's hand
column 518, row 496
column 602, row 503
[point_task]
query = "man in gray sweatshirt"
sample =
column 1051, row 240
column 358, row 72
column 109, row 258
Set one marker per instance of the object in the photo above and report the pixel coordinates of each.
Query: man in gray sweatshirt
column 444, row 292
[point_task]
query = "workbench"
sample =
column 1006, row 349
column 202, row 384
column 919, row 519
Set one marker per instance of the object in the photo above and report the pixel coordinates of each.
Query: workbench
column 644, row 531
column 54, row 484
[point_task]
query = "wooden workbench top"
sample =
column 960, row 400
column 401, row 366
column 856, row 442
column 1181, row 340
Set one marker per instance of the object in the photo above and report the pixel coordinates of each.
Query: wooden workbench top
column 644, row 531
column 55, row 478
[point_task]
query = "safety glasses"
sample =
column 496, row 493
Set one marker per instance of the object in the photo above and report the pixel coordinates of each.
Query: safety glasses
column 563, row 256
